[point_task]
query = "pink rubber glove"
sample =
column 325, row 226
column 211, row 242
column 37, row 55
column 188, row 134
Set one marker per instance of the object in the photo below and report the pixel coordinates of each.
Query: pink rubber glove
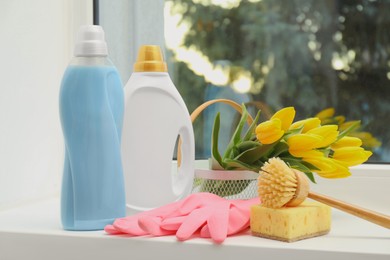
column 129, row 225
column 196, row 207
column 215, row 214
column 216, row 221
column 152, row 219
column 214, row 217
column 239, row 217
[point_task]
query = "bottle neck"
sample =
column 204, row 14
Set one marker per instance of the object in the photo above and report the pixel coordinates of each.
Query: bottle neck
column 91, row 61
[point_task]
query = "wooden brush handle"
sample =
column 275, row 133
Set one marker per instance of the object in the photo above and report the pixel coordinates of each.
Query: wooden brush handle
column 372, row 216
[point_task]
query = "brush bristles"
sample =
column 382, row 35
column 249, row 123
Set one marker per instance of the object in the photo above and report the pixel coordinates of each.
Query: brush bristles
column 277, row 183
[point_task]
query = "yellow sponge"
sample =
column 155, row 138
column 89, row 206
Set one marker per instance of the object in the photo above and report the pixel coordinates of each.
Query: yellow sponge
column 290, row 224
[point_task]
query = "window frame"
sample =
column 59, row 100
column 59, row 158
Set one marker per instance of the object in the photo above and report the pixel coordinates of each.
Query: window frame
column 139, row 23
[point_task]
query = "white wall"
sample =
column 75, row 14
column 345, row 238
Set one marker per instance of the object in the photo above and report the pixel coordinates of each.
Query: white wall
column 36, row 42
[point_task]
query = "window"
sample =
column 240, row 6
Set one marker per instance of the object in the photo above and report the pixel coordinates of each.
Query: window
column 308, row 54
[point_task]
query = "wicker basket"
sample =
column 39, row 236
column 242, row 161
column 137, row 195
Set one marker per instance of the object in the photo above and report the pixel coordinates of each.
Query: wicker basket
column 224, row 183
column 227, row 184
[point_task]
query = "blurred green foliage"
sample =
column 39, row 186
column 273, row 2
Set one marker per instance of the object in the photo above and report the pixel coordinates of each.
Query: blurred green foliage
column 308, row 54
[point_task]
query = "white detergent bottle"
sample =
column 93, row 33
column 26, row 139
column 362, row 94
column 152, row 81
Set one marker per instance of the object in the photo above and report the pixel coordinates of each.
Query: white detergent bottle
column 155, row 116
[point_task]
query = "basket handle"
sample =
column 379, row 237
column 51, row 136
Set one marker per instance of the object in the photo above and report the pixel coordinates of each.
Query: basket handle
column 200, row 109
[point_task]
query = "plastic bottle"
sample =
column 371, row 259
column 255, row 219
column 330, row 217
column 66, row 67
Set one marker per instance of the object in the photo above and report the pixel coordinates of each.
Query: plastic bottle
column 91, row 112
column 155, row 115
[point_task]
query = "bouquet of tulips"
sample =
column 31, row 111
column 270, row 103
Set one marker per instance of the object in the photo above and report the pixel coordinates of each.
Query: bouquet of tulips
column 328, row 117
column 306, row 145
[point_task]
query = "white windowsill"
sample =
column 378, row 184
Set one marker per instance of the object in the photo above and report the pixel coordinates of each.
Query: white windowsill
column 34, row 231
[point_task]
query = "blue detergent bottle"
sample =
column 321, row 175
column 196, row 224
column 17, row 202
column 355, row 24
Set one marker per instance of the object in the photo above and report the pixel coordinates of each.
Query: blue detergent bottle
column 91, row 112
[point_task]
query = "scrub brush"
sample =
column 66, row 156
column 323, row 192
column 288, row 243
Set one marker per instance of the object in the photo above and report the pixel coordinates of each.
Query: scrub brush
column 281, row 186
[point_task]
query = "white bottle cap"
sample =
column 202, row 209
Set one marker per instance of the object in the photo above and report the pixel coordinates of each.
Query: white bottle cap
column 90, row 41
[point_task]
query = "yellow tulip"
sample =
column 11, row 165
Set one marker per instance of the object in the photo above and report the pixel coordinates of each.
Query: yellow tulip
column 368, row 140
column 371, row 143
column 328, row 133
column 307, row 124
column 350, row 156
column 362, row 135
column 340, row 119
column 269, row 131
column 340, row 171
column 324, row 164
column 286, row 116
column 326, row 113
column 310, row 154
column 347, row 124
column 302, row 145
column 347, row 141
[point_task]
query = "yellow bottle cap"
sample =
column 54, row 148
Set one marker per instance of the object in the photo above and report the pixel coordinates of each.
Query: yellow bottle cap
column 150, row 58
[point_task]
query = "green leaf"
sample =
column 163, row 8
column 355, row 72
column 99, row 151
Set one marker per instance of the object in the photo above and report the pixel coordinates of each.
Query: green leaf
column 249, row 156
column 235, row 151
column 296, row 164
column 237, row 134
column 310, row 176
column 214, row 140
column 254, row 154
column 293, row 132
column 300, row 165
column 249, row 133
column 304, row 166
column 214, row 165
column 232, row 164
column 352, row 127
column 236, row 137
column 280, row 148
column 246, row 145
